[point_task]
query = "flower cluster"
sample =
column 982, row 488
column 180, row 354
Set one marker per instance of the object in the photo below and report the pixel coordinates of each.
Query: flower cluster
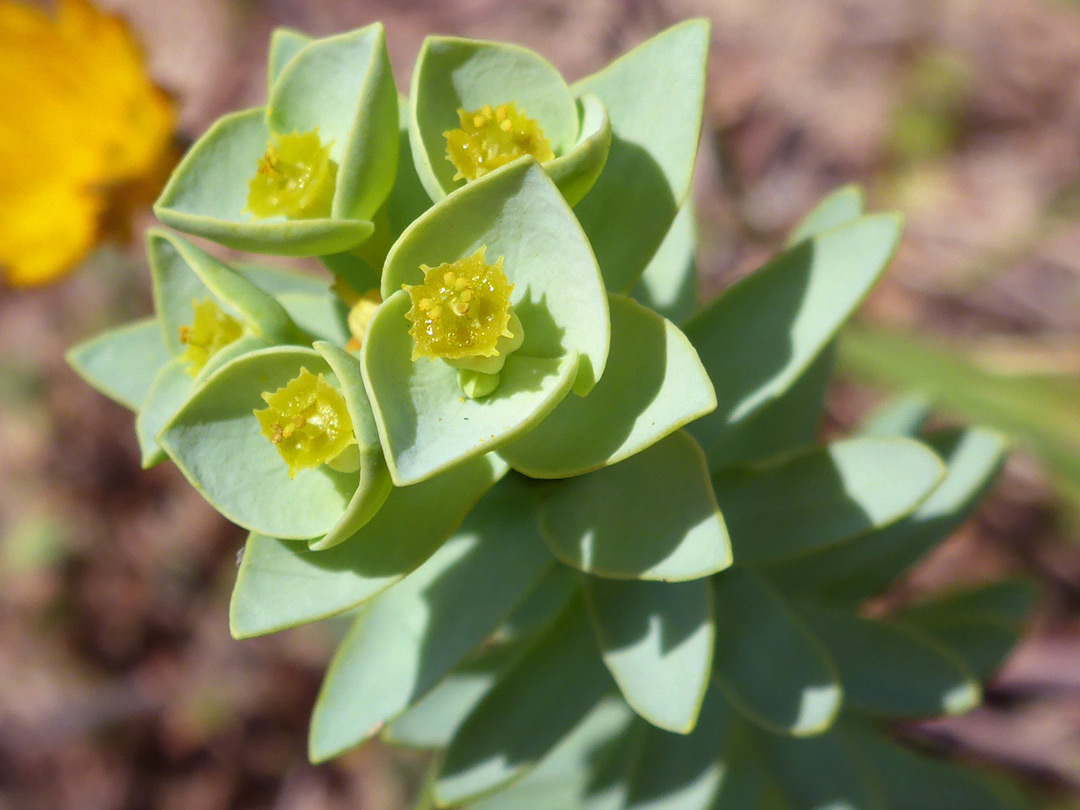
column 557, row 495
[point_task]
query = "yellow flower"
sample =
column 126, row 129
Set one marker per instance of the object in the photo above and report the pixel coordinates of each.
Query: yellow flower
column 79, row 119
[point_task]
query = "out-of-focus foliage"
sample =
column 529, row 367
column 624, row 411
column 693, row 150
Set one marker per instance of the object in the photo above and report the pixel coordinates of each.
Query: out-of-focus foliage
column 80, row 124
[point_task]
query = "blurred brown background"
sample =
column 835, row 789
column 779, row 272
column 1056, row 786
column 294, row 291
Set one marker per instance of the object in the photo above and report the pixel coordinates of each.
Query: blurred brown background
column 119, row 684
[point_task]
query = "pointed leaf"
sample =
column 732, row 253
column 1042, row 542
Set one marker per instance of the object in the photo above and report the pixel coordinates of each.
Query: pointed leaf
column 170, row 389
column 767, row 662
column 207, row 196
column 825, row 772
column 586, row 771
column 123, row 362
column 790, row 422
column 657, row 640
column 453, row 73
column 784, row 314
column 576, row 170
column 855, row 571
column 653, row 385
column 282, row 584
column 343, row 86
column 654, row 97
column 887, row 669
column 904, row 415
column 669, row 284
column 285, row 43
column 278, row 281
column 323, row 317
column 528, row 713
column 676, row 772
column 408, row 638
column 837, row 208
column 910, row 781
column 432, row 721
column 824, row 496
column 651, row 517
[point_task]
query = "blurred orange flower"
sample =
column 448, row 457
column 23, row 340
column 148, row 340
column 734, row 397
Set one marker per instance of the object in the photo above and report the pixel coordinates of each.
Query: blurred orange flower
column 79, row 119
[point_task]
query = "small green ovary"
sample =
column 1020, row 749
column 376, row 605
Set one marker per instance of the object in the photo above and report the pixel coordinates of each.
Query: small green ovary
column 210, row 332
column 307, row 421
column 461, row 310
column 294, row 179
column 492, row 137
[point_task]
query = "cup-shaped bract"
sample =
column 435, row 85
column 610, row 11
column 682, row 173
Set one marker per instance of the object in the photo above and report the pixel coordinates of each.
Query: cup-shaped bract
column 516, row 215
column 477, row 105
column 223, row 448
column 324, row 150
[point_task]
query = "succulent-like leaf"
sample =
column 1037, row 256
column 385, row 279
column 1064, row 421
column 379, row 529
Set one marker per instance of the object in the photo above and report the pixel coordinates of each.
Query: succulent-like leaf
column 855, row 571
column 182, row 275
column 207, row 196
column 791, row 422
column 323, row 317
column 676, row 772
column 669, row 284
column 651, row 517
column 576, row 171
column 586, row 771
column 783, row 315
column 453, row 73
column 902, row 416
column 821, row 497
column 654, row 97
column 528, row 713
column 281, row 584
column 767, row 662
column 343, row 86
column 218, row 445
column 910, row 781
column 285, row 43
column 837, row 208
column 278, row 281
column 657, row 640
column 409, row 637
column 123, row 362
column 826, row 772
column 653, row 384
column 169, row 390
column 432, row 721
column 888, row 669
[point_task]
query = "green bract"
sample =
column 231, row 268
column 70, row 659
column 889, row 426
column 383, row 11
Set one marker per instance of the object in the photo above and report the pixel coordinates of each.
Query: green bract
column 589, row 541
column 340, row 86
column 453, row 74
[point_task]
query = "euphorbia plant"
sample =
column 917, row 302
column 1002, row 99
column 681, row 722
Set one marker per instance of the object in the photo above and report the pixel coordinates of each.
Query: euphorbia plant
column 589, row 543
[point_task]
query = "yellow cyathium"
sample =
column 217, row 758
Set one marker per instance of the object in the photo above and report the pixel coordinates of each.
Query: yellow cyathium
column 212, row 330
column 294, row 179
column 492, row 137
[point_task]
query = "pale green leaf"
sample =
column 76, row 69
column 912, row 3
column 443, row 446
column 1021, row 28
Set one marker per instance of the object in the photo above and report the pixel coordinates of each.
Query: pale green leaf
column 285, row 43
column 123, row 362
column 821, row 497
column 837, row 208
column 783, row 315
column 769, row 665
column 405, row 640
column 669, row 284
column 653, row 385
column 343, row 86
column 654, row 96
column 207, row 196
column 651, row 517
column 282, row 584
column 657, row 640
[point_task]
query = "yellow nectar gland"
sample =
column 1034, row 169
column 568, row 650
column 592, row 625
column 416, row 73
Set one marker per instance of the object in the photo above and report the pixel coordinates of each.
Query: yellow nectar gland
column 211, row 331
column 492, row 137
column 295, row 178
column 307, row 421
column 461, row 310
